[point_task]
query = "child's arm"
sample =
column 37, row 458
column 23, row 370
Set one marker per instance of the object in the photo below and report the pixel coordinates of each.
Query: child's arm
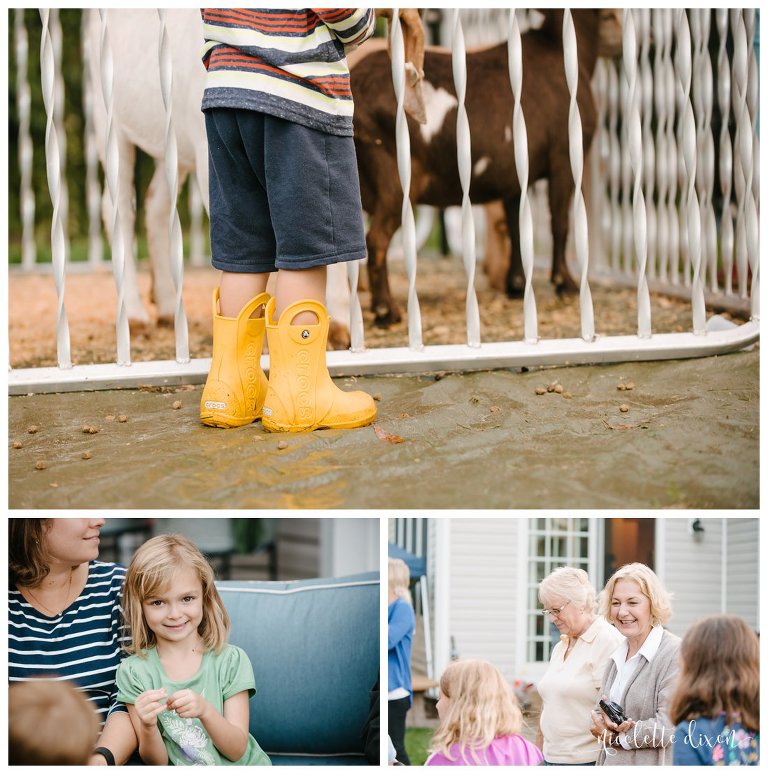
column 143, row 715
column 228, row 732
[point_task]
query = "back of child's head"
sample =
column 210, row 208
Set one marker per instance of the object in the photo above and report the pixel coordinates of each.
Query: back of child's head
column 151, row 572
column 399, row 578
column 719, row 672
column 481, row 708
column 50, row 723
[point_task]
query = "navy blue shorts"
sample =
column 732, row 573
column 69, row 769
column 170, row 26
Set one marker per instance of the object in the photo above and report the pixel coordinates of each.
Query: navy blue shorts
column 282, row 196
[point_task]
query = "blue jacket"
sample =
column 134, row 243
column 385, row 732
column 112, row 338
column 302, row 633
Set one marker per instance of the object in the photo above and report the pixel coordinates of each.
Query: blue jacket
column 708, row 742
column 402, row 623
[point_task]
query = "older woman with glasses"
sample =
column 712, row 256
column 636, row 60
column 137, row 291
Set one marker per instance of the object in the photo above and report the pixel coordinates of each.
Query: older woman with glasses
column 641, row 674
column 571, row 685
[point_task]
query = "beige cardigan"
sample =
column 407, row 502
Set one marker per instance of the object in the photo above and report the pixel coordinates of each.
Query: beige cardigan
column 646, row 700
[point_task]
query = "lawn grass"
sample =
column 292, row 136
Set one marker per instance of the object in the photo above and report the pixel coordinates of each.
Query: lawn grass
column 417, row 744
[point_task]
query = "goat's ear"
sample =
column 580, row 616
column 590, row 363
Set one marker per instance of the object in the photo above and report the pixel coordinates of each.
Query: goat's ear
column 414, row 100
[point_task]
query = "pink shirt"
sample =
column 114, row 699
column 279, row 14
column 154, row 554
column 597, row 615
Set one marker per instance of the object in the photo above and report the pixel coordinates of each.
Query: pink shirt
column 512, row 750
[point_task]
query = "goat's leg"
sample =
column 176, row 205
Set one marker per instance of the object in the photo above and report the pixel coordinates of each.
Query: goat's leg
column 380, row 233
column 157, row 214
column 515, row 274
column 138, row 317
column 337, row 301
column 561, row 189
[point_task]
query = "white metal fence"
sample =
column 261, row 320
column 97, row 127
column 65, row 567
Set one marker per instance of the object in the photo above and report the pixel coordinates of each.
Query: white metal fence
column 657, row 222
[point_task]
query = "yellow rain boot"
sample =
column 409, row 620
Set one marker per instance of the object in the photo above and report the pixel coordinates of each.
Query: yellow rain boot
column 234, row 392
column 301, row 395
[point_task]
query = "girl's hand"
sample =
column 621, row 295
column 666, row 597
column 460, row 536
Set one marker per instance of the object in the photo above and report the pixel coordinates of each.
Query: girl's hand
column 149, row 705
column 188, row 704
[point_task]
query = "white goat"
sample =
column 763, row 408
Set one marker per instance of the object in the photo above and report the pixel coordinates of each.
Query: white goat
column 139, row 122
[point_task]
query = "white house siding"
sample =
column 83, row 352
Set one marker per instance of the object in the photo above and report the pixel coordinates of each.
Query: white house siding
column 483, row 592
column 691, row 571
column 743, row 573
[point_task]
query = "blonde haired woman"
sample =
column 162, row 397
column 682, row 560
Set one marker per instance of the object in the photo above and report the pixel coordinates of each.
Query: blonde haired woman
column 642, row 673
column 480, row 720
column 571, row 685
column 401, row 626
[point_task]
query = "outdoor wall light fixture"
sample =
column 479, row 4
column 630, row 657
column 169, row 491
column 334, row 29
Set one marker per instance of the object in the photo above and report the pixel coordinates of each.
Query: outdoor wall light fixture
column 695, row 529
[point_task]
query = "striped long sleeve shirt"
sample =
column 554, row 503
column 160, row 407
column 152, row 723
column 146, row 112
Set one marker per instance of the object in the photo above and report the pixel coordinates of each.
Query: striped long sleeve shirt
column 287, row 63
column 82, row 645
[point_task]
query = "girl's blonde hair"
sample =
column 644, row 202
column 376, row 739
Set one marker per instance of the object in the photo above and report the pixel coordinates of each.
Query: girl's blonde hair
column 482, row 707
column 151, row 571
column 650, row 585
column 399, row 579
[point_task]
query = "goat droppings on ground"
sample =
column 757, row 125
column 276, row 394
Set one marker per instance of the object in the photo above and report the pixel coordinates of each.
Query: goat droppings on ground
column 41, row 465
column 559, row 389
column 624, row 408
column 282, row 444
column 567, row 395
column 122, row 418
column 17, row 444
column 176, row 405
column 541, row 390
column 32, row 429
column 86, row 455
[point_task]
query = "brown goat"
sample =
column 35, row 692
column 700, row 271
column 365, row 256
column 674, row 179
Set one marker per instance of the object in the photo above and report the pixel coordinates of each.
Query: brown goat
column 489, row 103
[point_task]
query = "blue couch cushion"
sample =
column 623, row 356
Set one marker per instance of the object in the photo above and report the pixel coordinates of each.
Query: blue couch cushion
column 314, row 646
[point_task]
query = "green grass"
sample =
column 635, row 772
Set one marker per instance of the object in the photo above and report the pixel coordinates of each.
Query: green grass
column 417, row 744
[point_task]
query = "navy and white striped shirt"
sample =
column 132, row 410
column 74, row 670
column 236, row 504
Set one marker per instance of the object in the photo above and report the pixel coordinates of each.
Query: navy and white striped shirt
column 82, row 645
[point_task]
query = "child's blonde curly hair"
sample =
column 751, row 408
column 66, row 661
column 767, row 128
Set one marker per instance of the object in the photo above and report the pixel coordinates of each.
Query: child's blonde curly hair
column 482, row 707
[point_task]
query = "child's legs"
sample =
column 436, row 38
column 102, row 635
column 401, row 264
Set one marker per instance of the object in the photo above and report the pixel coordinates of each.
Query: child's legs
column 237, row 289
column 242, row 239
column 314, row 197
column 397, row 710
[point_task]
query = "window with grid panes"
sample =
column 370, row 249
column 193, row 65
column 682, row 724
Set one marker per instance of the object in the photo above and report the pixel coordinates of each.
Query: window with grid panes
column 553, row 542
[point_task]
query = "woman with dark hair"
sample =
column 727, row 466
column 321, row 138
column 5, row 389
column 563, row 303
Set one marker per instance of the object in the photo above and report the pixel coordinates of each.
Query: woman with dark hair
column 716, row 707
column 64, row 619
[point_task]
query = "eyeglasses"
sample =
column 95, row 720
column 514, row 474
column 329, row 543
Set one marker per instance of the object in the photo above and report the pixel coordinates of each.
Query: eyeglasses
column 555, row 611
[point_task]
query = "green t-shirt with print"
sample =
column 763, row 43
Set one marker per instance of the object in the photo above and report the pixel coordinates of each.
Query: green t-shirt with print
column 219, row 678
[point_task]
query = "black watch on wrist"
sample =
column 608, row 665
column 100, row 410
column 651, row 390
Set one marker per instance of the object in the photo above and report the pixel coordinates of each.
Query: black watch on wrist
column 108, row 757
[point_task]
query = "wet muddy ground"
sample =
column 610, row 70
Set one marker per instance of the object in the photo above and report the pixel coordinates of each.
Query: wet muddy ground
column 688, row 439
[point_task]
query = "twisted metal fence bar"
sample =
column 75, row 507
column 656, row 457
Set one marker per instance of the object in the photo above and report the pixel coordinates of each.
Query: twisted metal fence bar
column 464, row 154
column 53, row 172
column 54, row 24
column 112, row 174
column 725, row 149
column 197, row 255
column 171, row 161
column 692, row 212
column 705, row 149
column 576, row 147
column 408, row 228
column 614, row 166
column 23, row 104
column 748, row 232
column 92, row 185
column 642, row 18
column 520, row 135
column 634, row 136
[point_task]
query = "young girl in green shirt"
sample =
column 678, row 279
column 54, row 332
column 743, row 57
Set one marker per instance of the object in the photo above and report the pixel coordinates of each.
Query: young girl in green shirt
column 186, row 689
